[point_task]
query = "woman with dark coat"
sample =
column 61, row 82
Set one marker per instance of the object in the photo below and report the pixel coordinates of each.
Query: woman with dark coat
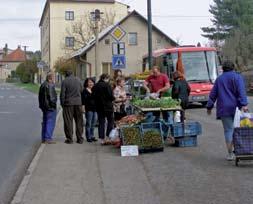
column 104, row 98
column 181, row 89
column 90, row 110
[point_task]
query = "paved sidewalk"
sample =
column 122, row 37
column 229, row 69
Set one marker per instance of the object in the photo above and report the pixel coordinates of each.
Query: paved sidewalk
column 87, row 174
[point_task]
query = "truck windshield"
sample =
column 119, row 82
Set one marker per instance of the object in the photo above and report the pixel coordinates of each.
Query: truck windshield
column 199, row 66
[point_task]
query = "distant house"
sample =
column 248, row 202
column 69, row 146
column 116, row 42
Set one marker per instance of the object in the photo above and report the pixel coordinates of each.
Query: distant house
column 132, row 31
column 60, row 15
column 11, row 61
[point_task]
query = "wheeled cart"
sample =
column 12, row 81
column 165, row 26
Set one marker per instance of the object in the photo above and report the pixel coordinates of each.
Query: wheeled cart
column 243, row 144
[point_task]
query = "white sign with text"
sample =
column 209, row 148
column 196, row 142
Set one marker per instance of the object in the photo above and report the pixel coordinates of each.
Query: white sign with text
column 129, row 151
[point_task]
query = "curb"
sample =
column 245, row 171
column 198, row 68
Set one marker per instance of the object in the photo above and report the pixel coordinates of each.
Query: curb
column 19, row 195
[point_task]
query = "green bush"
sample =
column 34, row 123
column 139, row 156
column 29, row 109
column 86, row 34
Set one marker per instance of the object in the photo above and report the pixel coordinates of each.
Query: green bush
column 26, row 70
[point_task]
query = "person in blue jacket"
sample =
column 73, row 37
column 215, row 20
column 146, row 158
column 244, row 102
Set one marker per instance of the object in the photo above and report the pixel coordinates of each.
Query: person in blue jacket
column 229, row 92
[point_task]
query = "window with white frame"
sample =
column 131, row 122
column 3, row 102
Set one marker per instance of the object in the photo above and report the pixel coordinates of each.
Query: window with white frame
column 132, row 38
column 69, row 15
column 69, row 41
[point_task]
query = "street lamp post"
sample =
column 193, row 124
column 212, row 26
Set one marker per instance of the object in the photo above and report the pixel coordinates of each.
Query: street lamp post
column 96, row 16
column 150, row 53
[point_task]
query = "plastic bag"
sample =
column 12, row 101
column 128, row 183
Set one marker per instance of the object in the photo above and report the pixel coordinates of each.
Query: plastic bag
column 114, row 134
column 246, row 120
column 237, row 118
column 243, row 119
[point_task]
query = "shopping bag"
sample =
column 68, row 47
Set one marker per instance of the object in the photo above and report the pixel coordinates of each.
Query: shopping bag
column 246, row 119
column 237, row 118
column 114, row 134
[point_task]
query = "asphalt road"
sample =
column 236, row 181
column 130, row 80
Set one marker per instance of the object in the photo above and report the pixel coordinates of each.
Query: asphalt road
column 200, row 175
column 20, row 121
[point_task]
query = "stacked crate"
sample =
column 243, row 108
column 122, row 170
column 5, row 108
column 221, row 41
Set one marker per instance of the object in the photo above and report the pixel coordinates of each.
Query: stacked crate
column 185, row 134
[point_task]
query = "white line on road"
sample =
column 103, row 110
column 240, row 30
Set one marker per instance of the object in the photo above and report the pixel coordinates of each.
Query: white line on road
column 6, row 112
column 1, row 97
column 12, row 96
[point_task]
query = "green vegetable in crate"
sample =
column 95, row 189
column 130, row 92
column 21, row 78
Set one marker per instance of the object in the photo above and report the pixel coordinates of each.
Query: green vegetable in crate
column 131, row 136
column 152, row 139
column 167, row 102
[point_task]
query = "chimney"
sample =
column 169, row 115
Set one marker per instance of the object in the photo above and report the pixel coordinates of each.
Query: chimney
column 6, row 49
column 19, row 46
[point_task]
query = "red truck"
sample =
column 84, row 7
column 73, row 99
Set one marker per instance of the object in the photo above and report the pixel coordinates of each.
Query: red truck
column 201, row 65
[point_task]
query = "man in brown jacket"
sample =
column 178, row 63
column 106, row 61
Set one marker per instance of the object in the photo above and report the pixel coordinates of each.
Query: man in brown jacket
column 71, row 102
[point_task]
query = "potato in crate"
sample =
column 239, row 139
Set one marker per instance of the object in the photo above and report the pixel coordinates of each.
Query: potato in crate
column 152, row 138
column 131, row 135
column 186, row 129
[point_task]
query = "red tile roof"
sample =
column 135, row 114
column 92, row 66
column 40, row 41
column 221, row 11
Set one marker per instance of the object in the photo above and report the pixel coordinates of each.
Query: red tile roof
column 17, row 55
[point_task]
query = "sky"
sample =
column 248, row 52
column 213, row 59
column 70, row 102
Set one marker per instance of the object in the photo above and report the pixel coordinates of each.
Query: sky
column 179, row 19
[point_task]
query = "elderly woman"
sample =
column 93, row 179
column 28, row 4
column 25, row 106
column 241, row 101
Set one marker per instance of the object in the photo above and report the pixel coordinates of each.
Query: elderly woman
column 229, row 92
column 120, row 99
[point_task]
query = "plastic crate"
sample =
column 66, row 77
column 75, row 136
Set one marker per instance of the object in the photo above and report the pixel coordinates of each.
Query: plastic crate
column 186, row 129
column 123, row 136
column 191, row 141
column 145, row 127
column 151, row 126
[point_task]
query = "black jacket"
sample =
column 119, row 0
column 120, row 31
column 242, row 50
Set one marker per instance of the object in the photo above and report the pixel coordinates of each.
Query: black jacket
column 71, row 91
column 88, row 101
column 181, row 90
column 103, row 96
column 47, row 97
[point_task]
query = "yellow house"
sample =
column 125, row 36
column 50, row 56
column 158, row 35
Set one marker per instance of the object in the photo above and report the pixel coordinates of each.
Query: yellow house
column 132, row 44
column 60, row 15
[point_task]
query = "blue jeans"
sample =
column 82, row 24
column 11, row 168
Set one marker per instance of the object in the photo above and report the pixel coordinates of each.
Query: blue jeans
column 91, row 120
column 228, row 125
column 48, row 125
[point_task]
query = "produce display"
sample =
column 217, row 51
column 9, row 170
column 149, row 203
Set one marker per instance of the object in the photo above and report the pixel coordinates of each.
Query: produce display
column 140, row 76
column 131, row 120
column 152, row 139
column 132, row 136
column 167, row 102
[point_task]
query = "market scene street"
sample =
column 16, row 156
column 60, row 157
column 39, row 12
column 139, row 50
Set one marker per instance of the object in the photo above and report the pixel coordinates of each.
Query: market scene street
column 179, row 176
column 126, row 102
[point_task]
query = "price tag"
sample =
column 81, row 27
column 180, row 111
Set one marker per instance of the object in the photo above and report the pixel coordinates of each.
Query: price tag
column 129, row 151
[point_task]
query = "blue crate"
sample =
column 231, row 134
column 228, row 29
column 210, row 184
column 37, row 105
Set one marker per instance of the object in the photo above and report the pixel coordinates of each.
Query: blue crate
column 186, row 129
column 186, row 141
column 151, row 126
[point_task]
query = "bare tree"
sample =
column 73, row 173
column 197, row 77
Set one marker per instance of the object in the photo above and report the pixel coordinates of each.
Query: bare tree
column 83, row 29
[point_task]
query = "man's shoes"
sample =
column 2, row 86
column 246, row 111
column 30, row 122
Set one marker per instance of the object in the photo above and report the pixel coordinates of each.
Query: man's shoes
column 50, row 142
column 89, row 140
column 79, row 141
column 94, row 139
column 68, row 141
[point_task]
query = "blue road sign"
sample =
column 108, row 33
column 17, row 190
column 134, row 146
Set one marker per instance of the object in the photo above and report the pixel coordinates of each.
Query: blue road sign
column 118, row 61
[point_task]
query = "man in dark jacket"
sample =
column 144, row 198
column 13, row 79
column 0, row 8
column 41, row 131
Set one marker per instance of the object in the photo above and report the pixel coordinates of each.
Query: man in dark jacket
column 48, row 104
column 103, row 96
column 71, row 102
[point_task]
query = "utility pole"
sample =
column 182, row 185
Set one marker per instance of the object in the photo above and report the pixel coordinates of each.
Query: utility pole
column 150, row 52
column 96, row 16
